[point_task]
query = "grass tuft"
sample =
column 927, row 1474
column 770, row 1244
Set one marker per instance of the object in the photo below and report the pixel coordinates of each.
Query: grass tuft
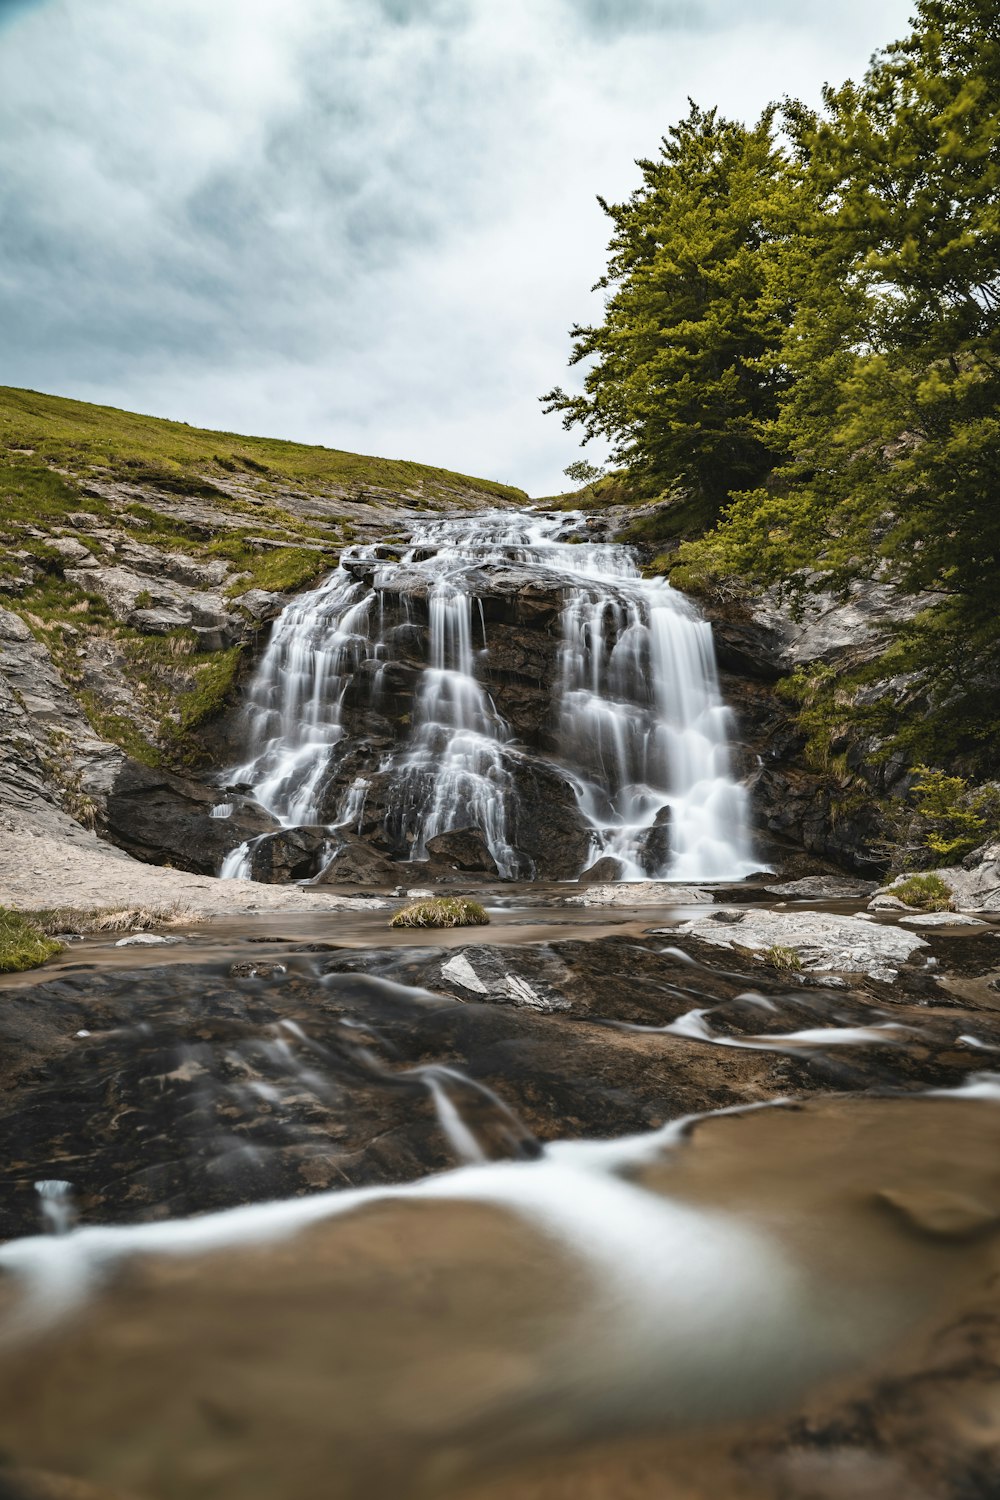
column 23, row 943
column 442, row 911
column 785, row 960
column 109, row 919
column 925, row 892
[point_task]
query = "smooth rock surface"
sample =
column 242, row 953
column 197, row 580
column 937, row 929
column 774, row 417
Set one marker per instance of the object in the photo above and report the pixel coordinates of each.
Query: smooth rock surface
column 641, row 893
column 823, row 941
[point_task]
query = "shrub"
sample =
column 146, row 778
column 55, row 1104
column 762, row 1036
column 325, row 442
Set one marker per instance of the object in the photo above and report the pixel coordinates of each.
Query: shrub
column 785, row 960
column 23, row 945
column 953, row 818
column 442, row 911
column 925, row 892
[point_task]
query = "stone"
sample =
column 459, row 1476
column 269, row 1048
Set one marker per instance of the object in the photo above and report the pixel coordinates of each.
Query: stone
column 464, row 849
column 146, row 940
column 167, row 819
column 485, row 973
column 641, row 893
column 357, row 863
column 602, row 871
column 822, row 940
column 942, row 919
column 824, row 888
column 73, row 551
column 289, row 854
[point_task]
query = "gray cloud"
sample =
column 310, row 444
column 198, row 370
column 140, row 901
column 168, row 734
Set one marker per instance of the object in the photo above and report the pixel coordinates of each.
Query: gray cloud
column 367, row 223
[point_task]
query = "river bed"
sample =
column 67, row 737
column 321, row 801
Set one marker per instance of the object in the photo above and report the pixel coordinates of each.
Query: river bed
column 497, row 1261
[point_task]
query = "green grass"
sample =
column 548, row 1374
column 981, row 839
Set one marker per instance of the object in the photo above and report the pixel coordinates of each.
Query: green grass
column 54, row 452
column 23, row 944
column 76, row 435
column 925, row 892
column 442, row 911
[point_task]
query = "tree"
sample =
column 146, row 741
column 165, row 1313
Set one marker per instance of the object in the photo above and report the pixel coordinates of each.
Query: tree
column 684, row 372
column 891, row 418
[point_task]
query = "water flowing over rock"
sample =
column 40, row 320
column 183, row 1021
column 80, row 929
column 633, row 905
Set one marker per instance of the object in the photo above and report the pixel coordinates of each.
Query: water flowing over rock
column 490, row 677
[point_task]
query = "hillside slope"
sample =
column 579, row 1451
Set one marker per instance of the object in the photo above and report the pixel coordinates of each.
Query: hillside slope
column 140, row 562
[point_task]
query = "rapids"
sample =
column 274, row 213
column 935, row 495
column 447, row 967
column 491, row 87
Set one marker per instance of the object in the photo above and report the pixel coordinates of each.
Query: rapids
column 641, row 729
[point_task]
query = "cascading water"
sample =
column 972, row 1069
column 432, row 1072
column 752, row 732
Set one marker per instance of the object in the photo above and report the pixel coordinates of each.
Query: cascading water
column 638, row 723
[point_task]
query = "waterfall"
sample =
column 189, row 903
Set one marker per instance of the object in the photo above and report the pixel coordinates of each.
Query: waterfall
column 637, row 723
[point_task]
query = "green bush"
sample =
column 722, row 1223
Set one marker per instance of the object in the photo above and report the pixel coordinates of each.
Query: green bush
column 442, row 911
column 953, row 819
column 23, row 945
column 925, row 892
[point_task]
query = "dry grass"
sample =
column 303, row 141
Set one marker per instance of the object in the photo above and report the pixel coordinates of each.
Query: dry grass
column 61, row 919
column 442, row 911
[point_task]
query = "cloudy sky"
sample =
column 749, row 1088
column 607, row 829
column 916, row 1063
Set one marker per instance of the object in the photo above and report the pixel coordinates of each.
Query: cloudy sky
column 366, row 223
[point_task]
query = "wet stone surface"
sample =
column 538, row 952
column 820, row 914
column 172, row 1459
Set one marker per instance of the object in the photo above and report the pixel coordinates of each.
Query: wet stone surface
column 175, row 1089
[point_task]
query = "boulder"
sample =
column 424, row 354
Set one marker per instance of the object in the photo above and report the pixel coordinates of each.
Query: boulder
column 641, row 893
column 463, row 849
column 602, row 871
column 823, row 941
column 356, row 863
column 167, row 819
column 823, row 888
column 656, row 844
column 547, row 826
column 289, row 854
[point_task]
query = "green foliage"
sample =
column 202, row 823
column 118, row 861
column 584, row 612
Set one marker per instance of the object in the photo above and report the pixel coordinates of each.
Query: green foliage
column 684, row 374
column 925, row 893
column 281, row 570
column 581, row 472
column 23, row 944
column 442, row 911
column 847, row 270
column 952, row 819
column 785, row 960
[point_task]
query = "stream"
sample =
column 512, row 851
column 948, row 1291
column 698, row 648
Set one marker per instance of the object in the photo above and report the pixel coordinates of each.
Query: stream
column 572, row 1200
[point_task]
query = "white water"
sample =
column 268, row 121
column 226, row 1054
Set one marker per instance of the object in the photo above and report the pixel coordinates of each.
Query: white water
column 642, row 730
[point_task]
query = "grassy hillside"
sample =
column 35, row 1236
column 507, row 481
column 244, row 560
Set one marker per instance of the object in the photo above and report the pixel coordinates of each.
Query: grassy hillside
column 92, row 498
column 77, row 436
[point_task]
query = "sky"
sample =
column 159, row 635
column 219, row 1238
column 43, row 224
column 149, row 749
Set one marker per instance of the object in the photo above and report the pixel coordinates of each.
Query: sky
column 363, row 223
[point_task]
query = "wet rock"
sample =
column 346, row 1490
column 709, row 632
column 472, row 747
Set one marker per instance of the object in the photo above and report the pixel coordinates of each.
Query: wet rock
column 547, row 825
column 166, row 819
column 487, row 974
column 146, row 940
column 356, row 863
column 289, row 854
column 602, row 871
column 464, row 849
column 656, row 845
column 257, row 970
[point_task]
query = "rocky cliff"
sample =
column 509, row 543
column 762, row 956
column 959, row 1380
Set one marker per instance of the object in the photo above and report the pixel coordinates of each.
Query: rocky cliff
column 141, row 563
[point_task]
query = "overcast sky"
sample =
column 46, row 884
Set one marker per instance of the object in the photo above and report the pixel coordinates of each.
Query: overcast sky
column 365, row 223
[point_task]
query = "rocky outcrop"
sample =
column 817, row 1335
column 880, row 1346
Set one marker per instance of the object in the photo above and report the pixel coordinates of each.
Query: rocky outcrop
column 974, row 884
column 822, row 943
